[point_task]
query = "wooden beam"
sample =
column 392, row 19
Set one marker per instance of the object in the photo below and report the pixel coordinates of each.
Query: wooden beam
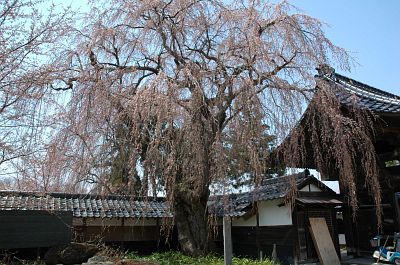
column 227, row 227
column 391, row 130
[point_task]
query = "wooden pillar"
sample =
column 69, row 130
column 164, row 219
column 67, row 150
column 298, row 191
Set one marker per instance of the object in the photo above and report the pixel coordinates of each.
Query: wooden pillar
column 84, row 230
column 259, row 251
column 335, row 234
column 227, row 225
column 349, row 230
column 396, row 206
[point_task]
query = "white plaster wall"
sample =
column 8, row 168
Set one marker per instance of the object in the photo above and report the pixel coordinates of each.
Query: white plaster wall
column 271, row 214
column 312, row 188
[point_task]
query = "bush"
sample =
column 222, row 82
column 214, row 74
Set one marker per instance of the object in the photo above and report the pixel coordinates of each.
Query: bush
column 176, row 258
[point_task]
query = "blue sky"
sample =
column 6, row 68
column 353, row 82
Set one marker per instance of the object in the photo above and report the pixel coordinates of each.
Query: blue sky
column 370, row 30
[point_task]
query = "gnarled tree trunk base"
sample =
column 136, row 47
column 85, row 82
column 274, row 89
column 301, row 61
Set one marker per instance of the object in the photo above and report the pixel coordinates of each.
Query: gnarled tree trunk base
column 191, row 220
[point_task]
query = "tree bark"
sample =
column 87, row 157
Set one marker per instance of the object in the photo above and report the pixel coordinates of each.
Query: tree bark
column 191, row 220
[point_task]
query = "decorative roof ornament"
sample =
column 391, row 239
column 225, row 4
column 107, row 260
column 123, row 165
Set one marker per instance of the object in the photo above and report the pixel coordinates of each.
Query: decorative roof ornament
column 325, row 70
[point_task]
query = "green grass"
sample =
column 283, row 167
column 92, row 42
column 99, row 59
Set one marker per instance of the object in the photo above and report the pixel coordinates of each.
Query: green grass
column 176, row 258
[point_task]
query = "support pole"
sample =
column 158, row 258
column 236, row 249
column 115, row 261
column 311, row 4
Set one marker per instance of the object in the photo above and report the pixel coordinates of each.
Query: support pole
column 227, row 224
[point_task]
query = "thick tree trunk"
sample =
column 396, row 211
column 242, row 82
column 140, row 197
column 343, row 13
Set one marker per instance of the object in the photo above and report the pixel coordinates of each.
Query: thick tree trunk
column 191, row 221
column 191, row 196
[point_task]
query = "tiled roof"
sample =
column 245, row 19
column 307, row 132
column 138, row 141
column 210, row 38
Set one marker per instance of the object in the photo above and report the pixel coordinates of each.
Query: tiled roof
column 351, row 91
column 87, row 205
column 84, row 205
column 274, row 188
column 227, row 205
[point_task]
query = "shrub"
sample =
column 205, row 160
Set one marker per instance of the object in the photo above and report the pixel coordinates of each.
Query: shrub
column 176, row 258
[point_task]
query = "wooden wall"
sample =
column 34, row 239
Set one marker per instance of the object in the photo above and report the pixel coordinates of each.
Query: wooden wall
column 143, row 239
column 249, row 241
column 32, row 229
column 365, row 226
column 117, row 233
column 305, row 246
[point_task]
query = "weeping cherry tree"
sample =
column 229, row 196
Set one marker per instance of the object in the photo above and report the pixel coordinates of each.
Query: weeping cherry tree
column 177, row 95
